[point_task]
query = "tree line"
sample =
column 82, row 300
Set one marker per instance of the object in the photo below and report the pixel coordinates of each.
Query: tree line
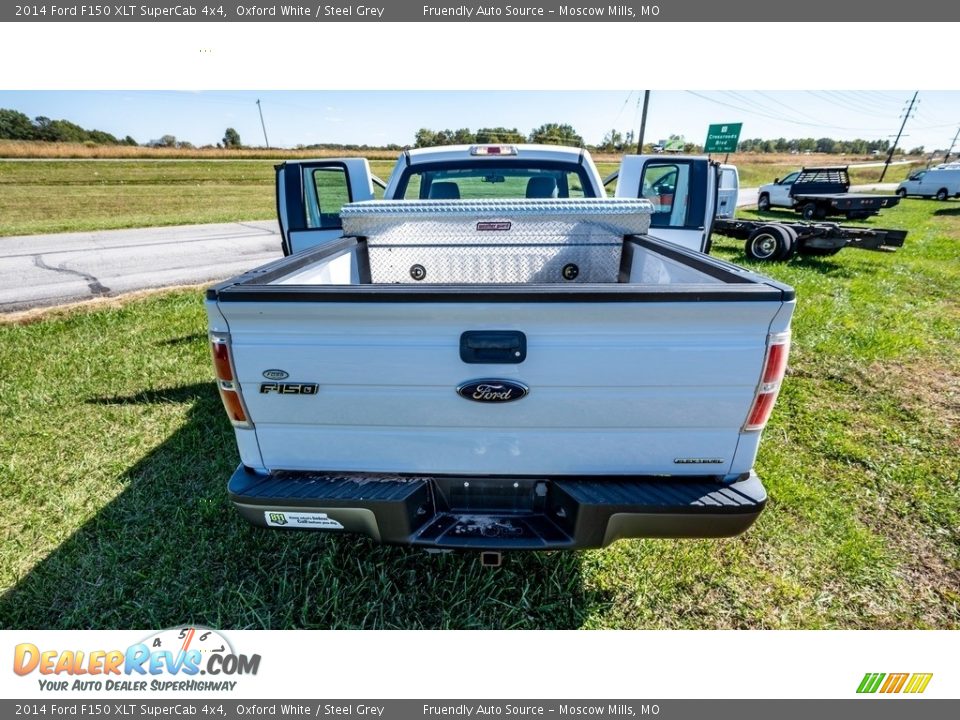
column 14, row 125
column 546, row 134
column 827, row 145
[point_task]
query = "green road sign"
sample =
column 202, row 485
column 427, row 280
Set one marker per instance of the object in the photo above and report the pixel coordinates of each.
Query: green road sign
column 723, row 138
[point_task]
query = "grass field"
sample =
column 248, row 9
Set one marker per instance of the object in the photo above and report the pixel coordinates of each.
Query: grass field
column 74, row 195
column 115, row 453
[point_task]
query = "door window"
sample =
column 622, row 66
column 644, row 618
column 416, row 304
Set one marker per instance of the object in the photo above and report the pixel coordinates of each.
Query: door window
column 667, row 186
column 790, row 179
column 326, row 190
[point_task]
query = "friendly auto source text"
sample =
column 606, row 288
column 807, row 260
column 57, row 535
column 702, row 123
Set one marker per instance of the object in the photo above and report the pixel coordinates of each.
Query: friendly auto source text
column 572, row 11
column 464, row 710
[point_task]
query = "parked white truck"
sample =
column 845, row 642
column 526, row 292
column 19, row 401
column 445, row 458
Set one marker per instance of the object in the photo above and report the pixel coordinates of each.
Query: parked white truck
column 496, row 356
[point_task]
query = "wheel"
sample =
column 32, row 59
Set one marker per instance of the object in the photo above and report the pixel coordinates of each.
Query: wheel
column 770, row 243
column 902, row 192
column 857, row 215
column 763, row 202
column 791, row 248
column 809, row 211
column 942, row 194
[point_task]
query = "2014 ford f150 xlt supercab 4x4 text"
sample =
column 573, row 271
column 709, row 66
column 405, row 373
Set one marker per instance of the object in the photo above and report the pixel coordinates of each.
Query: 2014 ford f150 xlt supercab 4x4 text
column 497, row 356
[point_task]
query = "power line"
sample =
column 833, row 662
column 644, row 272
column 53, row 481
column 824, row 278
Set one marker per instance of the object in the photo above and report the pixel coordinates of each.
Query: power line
column 778, row 102
column 952, row 143
column 622, row 108
column 854, row 104
column 779, row 118
column 906, row 116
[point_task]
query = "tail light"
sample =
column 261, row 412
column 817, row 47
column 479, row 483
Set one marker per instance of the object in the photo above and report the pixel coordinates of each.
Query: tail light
column 774, row 367
column 493, row 150
column 227, row 385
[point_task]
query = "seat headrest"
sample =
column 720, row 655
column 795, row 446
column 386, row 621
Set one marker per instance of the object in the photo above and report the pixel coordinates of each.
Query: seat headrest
column 542, row 186
column 444, row 191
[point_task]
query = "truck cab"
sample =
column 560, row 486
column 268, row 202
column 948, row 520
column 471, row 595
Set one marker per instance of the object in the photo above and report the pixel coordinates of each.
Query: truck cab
column 310, row 193
column 777, row 193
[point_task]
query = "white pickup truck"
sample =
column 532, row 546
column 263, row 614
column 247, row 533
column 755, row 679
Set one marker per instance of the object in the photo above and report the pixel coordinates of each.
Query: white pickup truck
column 497, row 356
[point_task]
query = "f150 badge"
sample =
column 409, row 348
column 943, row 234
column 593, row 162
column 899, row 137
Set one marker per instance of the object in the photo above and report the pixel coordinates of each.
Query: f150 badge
column 492, row 390
column 288, row 388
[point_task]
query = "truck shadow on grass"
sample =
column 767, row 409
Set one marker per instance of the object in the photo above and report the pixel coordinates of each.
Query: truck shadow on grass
column 170, row 549
column 948, row 211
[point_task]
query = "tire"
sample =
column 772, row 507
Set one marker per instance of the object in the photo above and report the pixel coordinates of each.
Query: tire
column 809, row 211
column 902, row 193
column 791, row 248
column 857, row 215
column 769, row 243
column 942, row 194
column 763, row 202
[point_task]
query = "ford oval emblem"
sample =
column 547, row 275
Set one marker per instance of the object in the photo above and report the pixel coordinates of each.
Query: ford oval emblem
column 492, row 390
column 276, row 374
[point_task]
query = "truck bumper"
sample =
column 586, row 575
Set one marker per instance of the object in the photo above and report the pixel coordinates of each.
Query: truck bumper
column 486, row 513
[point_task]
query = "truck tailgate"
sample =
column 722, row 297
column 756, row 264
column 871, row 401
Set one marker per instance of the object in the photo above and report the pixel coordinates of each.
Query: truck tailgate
column 614, row 387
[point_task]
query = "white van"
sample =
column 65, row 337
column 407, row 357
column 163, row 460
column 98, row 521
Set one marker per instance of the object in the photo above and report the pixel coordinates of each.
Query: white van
column 940, row 183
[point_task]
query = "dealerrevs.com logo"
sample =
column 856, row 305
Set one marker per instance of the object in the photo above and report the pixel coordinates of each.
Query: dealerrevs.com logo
column 172, row 659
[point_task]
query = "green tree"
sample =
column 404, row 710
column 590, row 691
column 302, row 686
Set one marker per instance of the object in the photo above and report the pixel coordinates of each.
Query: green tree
column 15, row 125
column 612, row 141
column 463, row 136
column 424, row 138
column 826, row 145
column 491, row 136
column 556, row 134
column 231, row 139
column 42, row 125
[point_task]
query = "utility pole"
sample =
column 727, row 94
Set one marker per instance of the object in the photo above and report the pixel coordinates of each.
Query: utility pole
column 643, row 121
column 902, row 126
column 264, row 126
column 947, row 158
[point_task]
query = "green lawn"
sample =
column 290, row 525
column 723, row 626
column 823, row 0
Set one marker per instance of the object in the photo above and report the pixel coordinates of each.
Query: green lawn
column 48, row 197
column 115, row 452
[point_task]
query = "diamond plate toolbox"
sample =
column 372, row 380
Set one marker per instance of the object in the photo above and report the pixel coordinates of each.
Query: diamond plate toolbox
column 495, row 241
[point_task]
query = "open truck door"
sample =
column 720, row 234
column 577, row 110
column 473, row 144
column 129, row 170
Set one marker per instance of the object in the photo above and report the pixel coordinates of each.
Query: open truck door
column 683, row 191
column 310, row 194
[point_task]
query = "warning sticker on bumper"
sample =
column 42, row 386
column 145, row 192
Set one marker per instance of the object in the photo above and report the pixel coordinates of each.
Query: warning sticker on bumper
column 309, row 520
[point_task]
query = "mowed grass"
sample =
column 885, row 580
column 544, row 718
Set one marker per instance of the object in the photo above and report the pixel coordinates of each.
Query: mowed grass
column 50, row 196
column 69, row 196
column 115, row 452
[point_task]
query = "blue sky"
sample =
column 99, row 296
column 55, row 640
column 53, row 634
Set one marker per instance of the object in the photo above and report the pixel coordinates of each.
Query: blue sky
column 378, row 117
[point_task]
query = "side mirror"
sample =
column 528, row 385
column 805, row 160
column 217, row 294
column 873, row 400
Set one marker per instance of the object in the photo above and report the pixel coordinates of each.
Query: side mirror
column 776, row 181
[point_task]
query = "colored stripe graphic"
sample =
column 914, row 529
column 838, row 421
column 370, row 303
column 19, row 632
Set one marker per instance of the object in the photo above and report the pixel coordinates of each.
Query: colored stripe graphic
column 870, row 682
column 918, row 682
column 894, row 683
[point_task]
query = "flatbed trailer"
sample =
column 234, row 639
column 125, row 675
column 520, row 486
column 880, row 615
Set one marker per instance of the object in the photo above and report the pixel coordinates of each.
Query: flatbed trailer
column 822, row 191
column 777, row 241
